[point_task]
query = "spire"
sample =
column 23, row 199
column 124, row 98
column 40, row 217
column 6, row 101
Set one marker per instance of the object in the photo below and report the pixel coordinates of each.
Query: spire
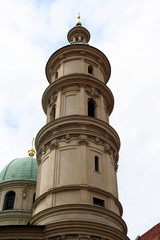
column 78, row 34
column 78, row 21
column 31, row 152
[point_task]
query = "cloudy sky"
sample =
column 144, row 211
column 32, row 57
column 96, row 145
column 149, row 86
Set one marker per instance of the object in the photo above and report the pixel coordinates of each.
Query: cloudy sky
column 128, row 32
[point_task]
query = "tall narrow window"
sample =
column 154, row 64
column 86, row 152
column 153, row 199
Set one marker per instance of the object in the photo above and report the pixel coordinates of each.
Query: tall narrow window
column 91, row 108
column 34, row 197
column 53, row 113
column 96, row 160
column 9, row 201
column 90, row 69
column 98, row 202
column 56, row 76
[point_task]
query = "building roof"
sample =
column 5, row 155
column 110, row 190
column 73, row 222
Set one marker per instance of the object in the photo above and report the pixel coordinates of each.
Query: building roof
column 20, row 169
column 152, row 234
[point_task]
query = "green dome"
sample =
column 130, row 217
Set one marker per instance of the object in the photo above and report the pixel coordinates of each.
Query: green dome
column 20, row 169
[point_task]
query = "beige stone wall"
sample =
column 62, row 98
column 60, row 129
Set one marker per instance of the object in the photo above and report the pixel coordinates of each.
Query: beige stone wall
column 74, row 100
column 21, row 213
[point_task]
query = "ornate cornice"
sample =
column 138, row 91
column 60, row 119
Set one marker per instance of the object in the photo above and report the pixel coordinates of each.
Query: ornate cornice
column 93, row 87
column 91, row 54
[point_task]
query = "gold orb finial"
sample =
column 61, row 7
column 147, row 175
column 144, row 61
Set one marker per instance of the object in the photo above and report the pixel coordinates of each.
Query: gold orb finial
column 78, row 22
column 31, row 152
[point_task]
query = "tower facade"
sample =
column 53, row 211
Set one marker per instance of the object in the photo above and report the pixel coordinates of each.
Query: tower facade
column 77, row 149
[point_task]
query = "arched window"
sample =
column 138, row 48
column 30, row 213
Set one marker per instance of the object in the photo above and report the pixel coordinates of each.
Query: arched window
column 90, row 69
column 91, row 108
column 9, row 201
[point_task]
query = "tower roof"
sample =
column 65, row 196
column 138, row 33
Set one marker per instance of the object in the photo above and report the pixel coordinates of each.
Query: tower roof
column 78, row 34
column 20, row 169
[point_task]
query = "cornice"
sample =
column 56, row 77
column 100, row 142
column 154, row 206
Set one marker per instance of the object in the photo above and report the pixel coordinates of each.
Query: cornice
column 78, row 79
column 84, row 129
column 78, row 50
column 81, row 208
column 80, row 187
column 18, row 183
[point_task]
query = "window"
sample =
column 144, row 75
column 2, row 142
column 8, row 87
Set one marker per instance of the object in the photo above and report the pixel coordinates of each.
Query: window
column 90, row 69
column 34, row 197
column 96, row 161
column 56, row 76
column 9, row 201
column 98, row 202
column 91, row 108
column 53, row 113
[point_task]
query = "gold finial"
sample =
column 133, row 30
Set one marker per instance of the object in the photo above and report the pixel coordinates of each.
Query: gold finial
column 78, row 22
column 31, row 152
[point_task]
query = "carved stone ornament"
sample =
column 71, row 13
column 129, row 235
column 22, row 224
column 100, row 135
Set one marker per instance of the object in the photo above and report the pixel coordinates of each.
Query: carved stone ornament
column 82, row 53
column 39, row 159
column 95, row 238
column 76, row 237
column 53, row 144
column 97, row 140
column 83, row 139
column 99, row 61
column 61, row 56
column 24, row 193
column 107, row 148
column 67, row 138
column 52, row 100
column 113, row 155
column 72, row 236
column 44, row 149
column 92, row 92
column 84, row 237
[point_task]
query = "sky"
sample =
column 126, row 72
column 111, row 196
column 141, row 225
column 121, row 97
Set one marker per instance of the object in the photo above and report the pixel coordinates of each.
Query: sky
column 128, row 32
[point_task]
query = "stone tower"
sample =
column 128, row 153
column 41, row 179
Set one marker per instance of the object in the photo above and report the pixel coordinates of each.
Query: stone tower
column 77, row 149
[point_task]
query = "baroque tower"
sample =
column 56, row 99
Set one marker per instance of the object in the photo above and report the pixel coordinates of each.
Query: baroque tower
column 77, row 149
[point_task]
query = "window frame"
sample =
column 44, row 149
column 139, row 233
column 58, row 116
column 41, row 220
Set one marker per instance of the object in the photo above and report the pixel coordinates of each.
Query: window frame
column 9, row 200
column 90, row 69
column 98, row 202
column 91, row 113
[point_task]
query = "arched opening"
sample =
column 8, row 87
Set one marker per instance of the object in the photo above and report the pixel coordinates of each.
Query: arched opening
column 91, row 108
column 9, row 201
column 90, row 69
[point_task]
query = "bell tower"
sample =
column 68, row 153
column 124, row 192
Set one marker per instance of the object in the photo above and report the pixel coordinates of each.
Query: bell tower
column 77, row 149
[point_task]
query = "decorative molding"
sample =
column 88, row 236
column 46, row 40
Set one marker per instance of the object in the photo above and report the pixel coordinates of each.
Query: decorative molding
column 24, row 193
column 92, row 92
column 113, row 155
column 53, row 144
column 82, row 52
column 83, row 140
column 39, row 159
column 75, row 88
column 52, row 100
column 99, row 61
column 76, row 237
column 91, row 63
column 62, row 56
column 67, row 138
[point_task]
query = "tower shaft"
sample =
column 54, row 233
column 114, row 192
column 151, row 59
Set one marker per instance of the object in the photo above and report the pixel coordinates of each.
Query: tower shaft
column 77, row 149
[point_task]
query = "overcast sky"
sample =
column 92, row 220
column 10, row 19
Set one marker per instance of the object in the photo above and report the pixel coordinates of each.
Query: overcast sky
column 128, row 32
